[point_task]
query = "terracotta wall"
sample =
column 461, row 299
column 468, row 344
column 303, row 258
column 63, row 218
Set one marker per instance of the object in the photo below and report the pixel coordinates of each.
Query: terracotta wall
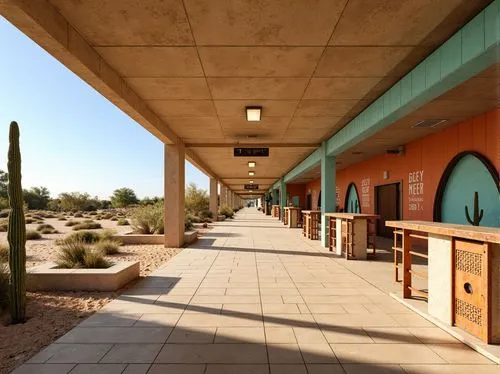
column 421, row 168
column 297, row 190
column 313, row 188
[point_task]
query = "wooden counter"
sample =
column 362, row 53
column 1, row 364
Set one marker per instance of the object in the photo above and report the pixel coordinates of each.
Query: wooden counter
column 483, row 234
column 275, row 211
column 291, row 216
column 310, row 223
column 463, row 273
column 352, row 233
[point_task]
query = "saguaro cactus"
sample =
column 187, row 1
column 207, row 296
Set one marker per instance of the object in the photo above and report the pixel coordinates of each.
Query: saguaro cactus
column 478, row 215
column 17, row 230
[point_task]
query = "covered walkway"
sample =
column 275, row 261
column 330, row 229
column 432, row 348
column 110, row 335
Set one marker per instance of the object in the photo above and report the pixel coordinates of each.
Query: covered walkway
column 254, row 297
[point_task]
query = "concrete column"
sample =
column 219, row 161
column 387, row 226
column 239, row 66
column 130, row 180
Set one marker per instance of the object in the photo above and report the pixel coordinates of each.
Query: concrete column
column 213, row 197
column 223, row 195
column 328, row 198
column 174, row 195
column 282, row 198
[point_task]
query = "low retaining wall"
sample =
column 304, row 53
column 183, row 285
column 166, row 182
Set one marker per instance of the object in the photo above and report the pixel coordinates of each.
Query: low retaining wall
column 47, row 277
column 189, row 237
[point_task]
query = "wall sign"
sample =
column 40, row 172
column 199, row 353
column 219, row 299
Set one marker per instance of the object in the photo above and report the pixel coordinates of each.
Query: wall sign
column 416, row 190
column 365, row 193
column 251, row 152
column 251, row 186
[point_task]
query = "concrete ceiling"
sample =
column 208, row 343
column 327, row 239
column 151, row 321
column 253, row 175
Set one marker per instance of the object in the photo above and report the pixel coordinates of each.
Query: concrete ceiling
column 312, row 65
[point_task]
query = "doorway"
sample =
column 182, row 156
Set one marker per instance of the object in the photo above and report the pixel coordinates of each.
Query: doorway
column 308, row 202
column 387, row 206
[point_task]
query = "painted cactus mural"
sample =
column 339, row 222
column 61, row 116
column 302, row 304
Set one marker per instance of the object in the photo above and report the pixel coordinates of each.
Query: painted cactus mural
column 17, row 230
column 478, row 215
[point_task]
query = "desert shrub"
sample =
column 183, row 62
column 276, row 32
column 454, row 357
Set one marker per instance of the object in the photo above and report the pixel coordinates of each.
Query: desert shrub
column 48, row 231
column 86, row 237
column 226, row 211
column 4, row 225
column 44, row 226
column 92, row 213
column 72, row 223
column 107, row 215
column 114, row 219
column 87, row 226
column 49, row 215
column 206, row 214
column 148, row 219
column 62, row 219
column 76, row 254
column 108, row 246
column 4, row 252
column 4, row 285
column 37, row 217
column 33, row 235
column 40, row 221
column 78, row 215
column 196, row 200
column 122, row 222
column 29, row 220
column 188, row 223
column 192, row 218
column 4, row 214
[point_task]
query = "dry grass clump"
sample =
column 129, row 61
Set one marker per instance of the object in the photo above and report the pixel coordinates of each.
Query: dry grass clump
column 102, row 242
column 78, row 255
column 72, row 223
column 148, row 219
column 4, row 225
column 4, row 252
column 87, row 225
column 122, row 222
column 45, row 228
column 62, row 218
column 108, row 246
column 4, row 213
column 87, row 237
column 33, row 235
column 30, row 220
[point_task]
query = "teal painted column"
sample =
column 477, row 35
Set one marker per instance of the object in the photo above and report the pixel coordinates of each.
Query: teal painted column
column 328, row 198
column 275, row 197
column 282, row 197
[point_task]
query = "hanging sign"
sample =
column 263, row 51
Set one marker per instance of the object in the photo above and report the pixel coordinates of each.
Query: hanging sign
column 251, row 186
column 251, row 152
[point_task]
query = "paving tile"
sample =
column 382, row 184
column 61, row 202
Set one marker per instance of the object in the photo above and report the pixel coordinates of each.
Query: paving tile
column 44, row 369
column 98, row 369
column 176, row 369
column 432, row 335
column 280, row 335
column 116, row 335
column 284, row 354
column 317, row 353
column 137, row 369
column 309, row 335
column 325, row 369
column 132, row 353
column 193, row 335
column 213, row 353
column 240, row 335
column 458, row 354
column 239, row 369
column 381, row 354
column 288, row 369
column 391, row 335
column 157, row 320
column 110, row 320
column 372, row 369
column 451, row 369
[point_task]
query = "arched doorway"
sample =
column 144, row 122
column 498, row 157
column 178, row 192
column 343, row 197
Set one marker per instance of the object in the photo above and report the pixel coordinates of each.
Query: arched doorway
column 352, row 204
column 466, row 174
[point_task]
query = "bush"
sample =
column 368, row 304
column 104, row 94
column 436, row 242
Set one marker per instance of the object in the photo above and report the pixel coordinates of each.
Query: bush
column 29, row 220
column 78, row 215
column 4, row 286
column 4, row 214
column 75, row 254
column 49, row 231
column 196, row 200
column 33, row 235
column 72, row 223
column 87, row 226
column 4, row 252
column 44, row 226
column 122, row 222
column 61, row 219
column 188, row 223
column 107, row 216
column 148, row 219
column 108, row 246
column 4, row 226
column 226, row 211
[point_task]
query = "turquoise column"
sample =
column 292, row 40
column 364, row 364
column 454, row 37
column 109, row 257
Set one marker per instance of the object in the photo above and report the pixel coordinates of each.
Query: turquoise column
column 282, row 196
column 328, row 198
column 275, row 197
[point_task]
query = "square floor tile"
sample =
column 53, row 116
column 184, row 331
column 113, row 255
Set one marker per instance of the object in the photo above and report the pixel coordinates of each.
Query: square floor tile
column 132, row 353
column 284, row 354
column 193, row 335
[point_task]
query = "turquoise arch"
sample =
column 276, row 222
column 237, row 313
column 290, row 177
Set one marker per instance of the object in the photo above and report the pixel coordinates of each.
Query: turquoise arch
column 352, row 200
column 470, row 173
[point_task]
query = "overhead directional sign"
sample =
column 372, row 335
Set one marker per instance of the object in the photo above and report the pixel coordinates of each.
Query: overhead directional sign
column 251, row 186
column 251, row 152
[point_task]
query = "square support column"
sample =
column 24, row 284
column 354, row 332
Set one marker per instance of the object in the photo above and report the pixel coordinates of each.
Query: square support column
column 174, row 195
column 282, row 198
column 328, row 198
column 213, row 197
column 223, row 194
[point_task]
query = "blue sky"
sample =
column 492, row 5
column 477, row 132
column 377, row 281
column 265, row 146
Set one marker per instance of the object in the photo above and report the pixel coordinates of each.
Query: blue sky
column 72, row 138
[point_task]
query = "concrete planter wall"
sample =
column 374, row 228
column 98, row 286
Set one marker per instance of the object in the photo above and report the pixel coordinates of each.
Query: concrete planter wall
column 48, row 277
column 189, row 237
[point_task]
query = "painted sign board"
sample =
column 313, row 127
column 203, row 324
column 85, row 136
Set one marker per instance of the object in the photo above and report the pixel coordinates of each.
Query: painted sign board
column 251, row 186
column 251, row 152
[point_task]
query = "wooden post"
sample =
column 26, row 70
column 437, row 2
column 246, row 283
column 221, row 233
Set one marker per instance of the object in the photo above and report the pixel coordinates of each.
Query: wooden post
column 406, row 246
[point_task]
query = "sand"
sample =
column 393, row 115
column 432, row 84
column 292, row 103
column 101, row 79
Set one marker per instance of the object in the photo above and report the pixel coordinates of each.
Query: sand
column 52, row 314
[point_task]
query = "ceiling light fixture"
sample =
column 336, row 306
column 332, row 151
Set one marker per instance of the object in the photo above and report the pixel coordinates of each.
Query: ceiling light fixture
column 251, row 173
column 251, row 164
column 253, row 113
column 250, row 181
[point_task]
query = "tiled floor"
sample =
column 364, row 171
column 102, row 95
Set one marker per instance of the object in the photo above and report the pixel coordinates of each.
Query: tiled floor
column 255, row 297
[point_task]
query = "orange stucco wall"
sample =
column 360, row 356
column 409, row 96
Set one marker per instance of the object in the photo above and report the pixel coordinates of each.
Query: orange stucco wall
column 422, row 165
column 297, row 190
